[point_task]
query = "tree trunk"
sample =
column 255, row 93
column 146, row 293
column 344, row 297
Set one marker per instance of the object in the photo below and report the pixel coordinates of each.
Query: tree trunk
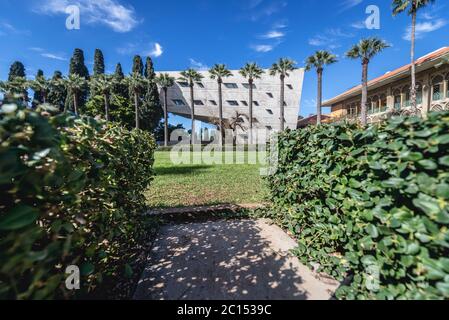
column 251, row 81
column 75, row 103
column 282, row 116
column 106, row 106
column 364, row 112
column 319, row 96
column 165, row 118
column 192, row 114
column 413, row 66
column 220, row 110
column 136, row 109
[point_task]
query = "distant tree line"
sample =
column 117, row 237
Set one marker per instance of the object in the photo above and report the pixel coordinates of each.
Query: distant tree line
column 131, row 100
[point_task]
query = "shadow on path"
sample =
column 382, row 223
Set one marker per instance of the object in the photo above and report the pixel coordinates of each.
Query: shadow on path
column 227, row 260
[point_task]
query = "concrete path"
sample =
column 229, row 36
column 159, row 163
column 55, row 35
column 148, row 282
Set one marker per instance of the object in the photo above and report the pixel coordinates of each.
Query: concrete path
column 228, row 260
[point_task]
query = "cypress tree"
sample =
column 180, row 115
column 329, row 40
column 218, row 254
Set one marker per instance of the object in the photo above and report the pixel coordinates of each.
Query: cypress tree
column 120, row 89
column 17, row 69
column 98, row 62
column 152, row 111
column 58, row 92
column 78, row 67
column 119, row 71
column 38, row 97
column 137, row 65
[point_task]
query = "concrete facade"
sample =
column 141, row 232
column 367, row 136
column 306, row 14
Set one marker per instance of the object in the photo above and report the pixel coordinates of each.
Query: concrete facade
column 266, row 108
column 391, row 92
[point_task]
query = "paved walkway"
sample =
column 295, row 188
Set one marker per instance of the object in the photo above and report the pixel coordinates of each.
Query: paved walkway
column 228, row 260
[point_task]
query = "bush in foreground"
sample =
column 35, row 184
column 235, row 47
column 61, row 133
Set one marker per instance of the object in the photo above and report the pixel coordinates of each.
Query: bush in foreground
column 72, row 193
column 371, row 204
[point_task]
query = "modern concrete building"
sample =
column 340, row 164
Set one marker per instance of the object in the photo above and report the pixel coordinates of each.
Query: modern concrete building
column 266, row 106
column 392, row 91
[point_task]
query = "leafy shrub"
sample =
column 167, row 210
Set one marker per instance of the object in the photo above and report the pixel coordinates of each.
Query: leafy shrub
column 71, row 194
column 371, row 204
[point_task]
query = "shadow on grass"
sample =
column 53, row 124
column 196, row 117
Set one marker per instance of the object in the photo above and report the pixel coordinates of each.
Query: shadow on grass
column 180, row 170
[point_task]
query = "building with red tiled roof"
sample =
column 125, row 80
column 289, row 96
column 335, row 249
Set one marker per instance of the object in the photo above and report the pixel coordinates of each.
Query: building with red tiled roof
column 392, row 90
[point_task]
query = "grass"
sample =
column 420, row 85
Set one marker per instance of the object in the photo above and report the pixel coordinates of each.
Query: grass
column 200, row 184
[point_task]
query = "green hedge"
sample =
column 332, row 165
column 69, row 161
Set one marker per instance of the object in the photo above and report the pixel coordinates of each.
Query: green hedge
column 72, row 193
column 367, row 200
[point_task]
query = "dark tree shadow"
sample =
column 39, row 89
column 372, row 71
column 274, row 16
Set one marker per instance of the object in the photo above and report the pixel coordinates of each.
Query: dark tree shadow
column 180, row 170
column 224, row 260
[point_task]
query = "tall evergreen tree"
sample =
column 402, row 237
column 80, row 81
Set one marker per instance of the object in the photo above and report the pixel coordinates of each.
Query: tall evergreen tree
column 120, row 87
column 119, row 71
column 16, row 70
column 98, row 62
column 152, row 111
column 17, row 79
column 137, row 65
column 38, row 96
column 78, row 67
column 58, row 91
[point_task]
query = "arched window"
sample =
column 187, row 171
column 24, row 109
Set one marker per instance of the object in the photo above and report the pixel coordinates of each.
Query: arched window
column 383, row 103
column 447, row 80
column 375, row 103
column 369, row 106
column 419, row 89
column 437, row 85
column 353, row 110
column 397, row 99
column 406, row 92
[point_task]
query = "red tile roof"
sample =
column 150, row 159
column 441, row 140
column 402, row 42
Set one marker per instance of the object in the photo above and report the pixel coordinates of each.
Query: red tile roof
column 429, row 57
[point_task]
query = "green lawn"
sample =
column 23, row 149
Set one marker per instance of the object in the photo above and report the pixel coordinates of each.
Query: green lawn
column 192, row 185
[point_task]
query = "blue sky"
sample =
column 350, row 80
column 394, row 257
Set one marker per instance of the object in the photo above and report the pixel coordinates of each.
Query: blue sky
column 198, row 33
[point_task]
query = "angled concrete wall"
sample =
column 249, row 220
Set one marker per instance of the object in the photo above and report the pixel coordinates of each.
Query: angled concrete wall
column 266, row 95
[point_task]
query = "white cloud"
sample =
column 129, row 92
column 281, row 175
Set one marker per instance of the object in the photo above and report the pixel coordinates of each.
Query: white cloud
column 151, row 49
column 157, row 51
column 266, row 11
column 348, row 4
column 424, row 27
column 329, row 38
column 7, row 28
column 359, row 25
column 111, row 13
column 273, row 34
column 36, row 49
column 262, row 48
column 197, row 65
column 53, row 56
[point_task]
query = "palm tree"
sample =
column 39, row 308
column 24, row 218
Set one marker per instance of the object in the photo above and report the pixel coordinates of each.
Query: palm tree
column 218, row 72
column 136, row 84
column 103, row 84
column 365, row 50
column 282, row 68
column 318, row 61
column 413, row 6
column 165, row 81
column 236, row 122
column 251, row 71
column 41, row 85
column 191, row 76
column 75, row 84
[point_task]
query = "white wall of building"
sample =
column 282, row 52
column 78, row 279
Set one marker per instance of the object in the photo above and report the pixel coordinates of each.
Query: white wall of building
column 266, row 94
